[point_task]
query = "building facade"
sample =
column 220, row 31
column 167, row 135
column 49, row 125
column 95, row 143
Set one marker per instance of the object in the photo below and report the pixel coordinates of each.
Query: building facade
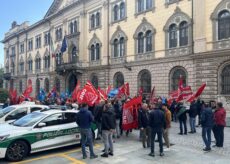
column 144, row 42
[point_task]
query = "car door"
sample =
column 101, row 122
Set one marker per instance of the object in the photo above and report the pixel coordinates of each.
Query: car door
column 71, row 131
column 48, row 136
column 16, row 114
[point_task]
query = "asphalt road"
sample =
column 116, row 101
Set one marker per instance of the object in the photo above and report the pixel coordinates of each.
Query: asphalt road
column 187, row 149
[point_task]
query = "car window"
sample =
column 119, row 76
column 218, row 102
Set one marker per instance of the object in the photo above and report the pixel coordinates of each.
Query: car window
column 33, row 109
column 6, row 110
column 18, row 113
column 55, row 119
column 69, row 118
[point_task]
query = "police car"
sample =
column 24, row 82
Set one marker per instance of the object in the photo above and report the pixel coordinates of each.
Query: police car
column 14, row 112
column 38, row 131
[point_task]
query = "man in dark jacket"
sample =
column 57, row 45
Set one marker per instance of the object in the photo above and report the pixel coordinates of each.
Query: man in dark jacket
column 207, row 123
column 84, row 120
column 181, row 114
column 157, row 124
column 220, row 123
column 97, row 116
column 192, row 117
column 143, row 122
column 108, row 126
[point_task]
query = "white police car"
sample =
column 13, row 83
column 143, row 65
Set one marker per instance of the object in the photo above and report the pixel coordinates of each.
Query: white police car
column 14, row 112
column 38, row 131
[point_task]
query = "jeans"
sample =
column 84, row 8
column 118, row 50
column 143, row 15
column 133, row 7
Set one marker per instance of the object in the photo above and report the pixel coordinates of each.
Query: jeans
column 86, row 138
column 218, row 131
column 146, row 132
column 206, row 135
column 108, row 140
column 118, row 128
column 192, row 122
column 166, row 137
column 159, row 133
column 98, row 124
column 183, row 123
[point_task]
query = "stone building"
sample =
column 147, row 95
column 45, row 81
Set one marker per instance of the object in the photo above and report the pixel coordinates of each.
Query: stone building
column 144, row 42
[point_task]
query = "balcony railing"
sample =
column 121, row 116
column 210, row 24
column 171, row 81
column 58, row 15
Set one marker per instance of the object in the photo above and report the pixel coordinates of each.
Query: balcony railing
column 145, row 56
column 221, row 44
column 181, row 51
column 65, row 67
column 7, row 76
column 118, row 60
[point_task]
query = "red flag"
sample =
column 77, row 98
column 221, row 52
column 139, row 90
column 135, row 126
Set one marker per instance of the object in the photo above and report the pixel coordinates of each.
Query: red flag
column 180, row 83
column 102, row 94
column 88, row 95
column 76, row 90
column 52, row 91
column 140, row 91
column 184, row 93
column 197, row 94
column 123, row 90
column 13, row 96
column 153, row 96
column 130, row 113
column 28, row 91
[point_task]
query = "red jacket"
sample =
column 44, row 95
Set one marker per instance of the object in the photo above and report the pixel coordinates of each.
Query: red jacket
column 220, row 117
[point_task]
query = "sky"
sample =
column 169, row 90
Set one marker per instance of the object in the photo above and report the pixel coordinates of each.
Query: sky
column 20, row 11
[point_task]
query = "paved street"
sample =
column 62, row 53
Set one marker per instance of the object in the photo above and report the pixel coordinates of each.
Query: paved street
column 128, row 150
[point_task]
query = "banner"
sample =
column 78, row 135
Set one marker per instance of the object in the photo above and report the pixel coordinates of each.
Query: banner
column 123, row 90
column 102, row 94
column 130, row 113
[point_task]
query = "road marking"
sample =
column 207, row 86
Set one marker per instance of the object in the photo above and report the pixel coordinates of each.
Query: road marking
column 74, row 160
column 54, row 155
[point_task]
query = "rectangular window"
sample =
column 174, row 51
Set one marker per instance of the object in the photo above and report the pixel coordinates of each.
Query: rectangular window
column 13, row 51
column 7, row 53
column 47, row 38
column 38, row 42
column 30, row 45
column 22, row 48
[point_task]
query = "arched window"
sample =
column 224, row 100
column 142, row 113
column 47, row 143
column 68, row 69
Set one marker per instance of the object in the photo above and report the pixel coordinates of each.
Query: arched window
column 38, row 63
column 176, row 73
column 116, row 48
column 37, row 87
column 149, row 41
column 122, row 46
column 58, row 59
column 94, row 81
column 57, row 84
column 57, row 34
column 122, row 10
column 92, row 21
column 140, row 43
column 92, row 53
column 20, row 86
column 224, row 25
column 75, row 26
column 60, row 33
column 115, row 10
column 98, row 17
column 225, row 80
column 183, row 32
column 118, row 80
column 172, row 36
column 47, row 85
column 140, row 4
column 97, row 57
column 30, row 65
column 144, row 79
column 74, row 54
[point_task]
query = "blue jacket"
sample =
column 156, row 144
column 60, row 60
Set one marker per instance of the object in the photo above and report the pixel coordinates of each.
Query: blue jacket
column 207, row 118
column 84, row 118
column 157, row 119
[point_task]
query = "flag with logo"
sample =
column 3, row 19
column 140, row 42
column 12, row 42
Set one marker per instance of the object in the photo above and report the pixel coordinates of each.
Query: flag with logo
column 76, row 90
column 102, row 94
column 124, row 90
column 130, row 113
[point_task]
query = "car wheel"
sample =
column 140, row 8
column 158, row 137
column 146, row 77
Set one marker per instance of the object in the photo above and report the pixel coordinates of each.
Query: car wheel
column 17, row 151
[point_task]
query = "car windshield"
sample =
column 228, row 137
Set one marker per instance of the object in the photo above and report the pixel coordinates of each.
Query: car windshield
column 29, row 120
column 6, row 110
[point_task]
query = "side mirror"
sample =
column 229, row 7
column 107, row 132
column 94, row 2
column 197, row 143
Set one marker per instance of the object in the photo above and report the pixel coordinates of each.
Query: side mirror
column 41, row 124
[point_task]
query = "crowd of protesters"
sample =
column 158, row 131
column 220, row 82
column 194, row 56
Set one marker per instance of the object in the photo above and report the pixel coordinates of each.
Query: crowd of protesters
column 154, row 119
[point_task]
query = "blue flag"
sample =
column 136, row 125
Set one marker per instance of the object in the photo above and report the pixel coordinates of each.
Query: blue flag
column 64, row 45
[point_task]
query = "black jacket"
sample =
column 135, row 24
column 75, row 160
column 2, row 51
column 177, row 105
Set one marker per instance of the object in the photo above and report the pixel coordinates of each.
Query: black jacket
column 143, row 118
column 98, row 112
column 157, row 119
column 117, row 110
column 108, row 120
column 207, row 118
column 193, row 110
column 84, row 118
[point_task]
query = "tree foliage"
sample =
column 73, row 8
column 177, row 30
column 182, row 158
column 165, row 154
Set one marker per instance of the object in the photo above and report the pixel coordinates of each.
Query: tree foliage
column 4, row 94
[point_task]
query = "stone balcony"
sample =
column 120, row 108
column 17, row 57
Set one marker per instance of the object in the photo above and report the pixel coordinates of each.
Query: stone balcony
column 7, row 76
column 118, row 60
column 180, row 51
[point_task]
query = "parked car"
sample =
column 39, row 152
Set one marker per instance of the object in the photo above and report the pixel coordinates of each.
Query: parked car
column 39, row 131
column 14, row 112
column 1, row 106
